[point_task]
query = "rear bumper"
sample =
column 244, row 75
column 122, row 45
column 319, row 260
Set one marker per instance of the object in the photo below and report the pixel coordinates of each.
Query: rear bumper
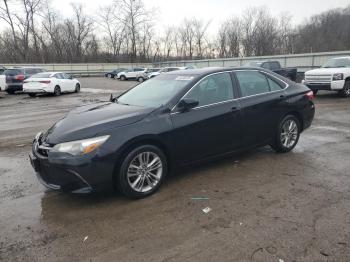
column 36, row 91
column 13, row 87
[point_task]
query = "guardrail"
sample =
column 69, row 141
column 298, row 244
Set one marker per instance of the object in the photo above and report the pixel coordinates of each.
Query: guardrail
column 302, row 62
column 81, row 69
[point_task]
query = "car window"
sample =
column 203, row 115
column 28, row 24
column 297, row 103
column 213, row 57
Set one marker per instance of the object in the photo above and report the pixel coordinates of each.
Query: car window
column 41, row 75
column 138, row 69
column 172, row 69
column 30, row 71
column 59, row 76
column 252, row 83
column 212, row 89
column 274, row 86
column 14, row 72
column 266, row 65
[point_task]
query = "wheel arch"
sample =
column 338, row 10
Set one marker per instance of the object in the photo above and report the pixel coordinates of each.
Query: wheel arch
column 153, row 140
column 298, row 116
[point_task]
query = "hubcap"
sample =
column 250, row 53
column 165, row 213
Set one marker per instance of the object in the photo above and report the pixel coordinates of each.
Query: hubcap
column 289, row 133
column 145, row 171
column 347, row 90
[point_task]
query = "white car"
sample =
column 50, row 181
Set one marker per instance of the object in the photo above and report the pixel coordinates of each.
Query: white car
column 333, row 76
column 166, row 70
column 50, row 83
column 136, row 73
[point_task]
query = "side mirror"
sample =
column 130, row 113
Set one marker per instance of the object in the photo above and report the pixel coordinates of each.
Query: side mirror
column 186, row 104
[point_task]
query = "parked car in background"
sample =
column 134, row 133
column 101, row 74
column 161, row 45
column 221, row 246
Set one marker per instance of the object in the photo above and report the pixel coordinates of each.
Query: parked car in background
column 2, row 69
column 171, row 120
column 165, row 70
column 114, row 73
column 275, row 66
column 2, row 78
column 150, row 71
column 333, row 76
column 14, row 77
column 137, row 73
column 50, row 83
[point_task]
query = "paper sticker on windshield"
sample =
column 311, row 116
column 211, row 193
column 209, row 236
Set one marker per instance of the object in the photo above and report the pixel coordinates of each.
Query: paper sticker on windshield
column 184, row 78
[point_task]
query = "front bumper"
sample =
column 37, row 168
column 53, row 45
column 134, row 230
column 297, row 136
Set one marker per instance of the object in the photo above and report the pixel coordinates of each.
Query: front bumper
column 331, row 86
column 71, row 174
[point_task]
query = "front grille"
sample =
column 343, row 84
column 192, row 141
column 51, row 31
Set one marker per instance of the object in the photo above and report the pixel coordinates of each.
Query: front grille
column 318, row 78
column 42, row 148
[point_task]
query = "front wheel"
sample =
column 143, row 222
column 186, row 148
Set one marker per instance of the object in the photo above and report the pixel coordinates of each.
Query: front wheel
column 123, row 78
column 142, row 171
column 345, row 92
column 77, row 88
column 140, row 79
column 287, row 134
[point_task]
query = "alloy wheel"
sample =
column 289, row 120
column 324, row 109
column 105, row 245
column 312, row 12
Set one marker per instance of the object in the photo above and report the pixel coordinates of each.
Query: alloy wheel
column 289, row 133
column 145, row 171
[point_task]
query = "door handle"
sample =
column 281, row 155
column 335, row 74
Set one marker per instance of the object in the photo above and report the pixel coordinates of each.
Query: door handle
column 234, row 109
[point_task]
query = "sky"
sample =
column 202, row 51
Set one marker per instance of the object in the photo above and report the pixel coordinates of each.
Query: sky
column 174, row 11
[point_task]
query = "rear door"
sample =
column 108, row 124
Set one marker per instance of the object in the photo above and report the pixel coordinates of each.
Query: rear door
column 211, row 128
column 261, row 103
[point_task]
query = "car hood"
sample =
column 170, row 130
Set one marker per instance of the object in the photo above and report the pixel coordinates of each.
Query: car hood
column 326, row 71
column 91, row 120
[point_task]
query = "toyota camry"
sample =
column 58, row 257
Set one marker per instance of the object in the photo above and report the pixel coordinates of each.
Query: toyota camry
column 131, row 142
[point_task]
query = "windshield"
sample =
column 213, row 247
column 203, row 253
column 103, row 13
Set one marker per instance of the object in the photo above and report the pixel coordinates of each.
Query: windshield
column 337, row 62
column 42, row 75
column 156, row 91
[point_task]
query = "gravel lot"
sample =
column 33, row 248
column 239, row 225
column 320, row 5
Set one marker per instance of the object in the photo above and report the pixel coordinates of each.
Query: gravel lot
column 265, row 206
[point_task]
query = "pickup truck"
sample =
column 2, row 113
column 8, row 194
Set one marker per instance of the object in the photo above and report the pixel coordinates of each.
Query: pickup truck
column 333, row 76
column 275, row 66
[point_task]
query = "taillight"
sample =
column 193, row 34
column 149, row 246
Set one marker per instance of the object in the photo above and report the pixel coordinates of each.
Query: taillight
column 45, row 82
column 19, row 77
column 310, row 95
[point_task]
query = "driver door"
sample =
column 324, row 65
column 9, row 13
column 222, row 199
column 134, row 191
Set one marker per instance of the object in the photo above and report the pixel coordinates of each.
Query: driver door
column 211, row 128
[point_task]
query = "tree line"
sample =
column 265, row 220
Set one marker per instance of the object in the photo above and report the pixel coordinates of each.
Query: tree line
column 125, row 31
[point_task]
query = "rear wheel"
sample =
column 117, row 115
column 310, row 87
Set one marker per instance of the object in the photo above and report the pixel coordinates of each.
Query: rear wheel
column 287, row 134
column 345, row 92
column 32, row 94
column 57, row 91
column 109, row 76
column 77, row 88
column 142, row 171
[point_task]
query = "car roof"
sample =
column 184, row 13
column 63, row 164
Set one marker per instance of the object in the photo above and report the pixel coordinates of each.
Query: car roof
column 211, row 70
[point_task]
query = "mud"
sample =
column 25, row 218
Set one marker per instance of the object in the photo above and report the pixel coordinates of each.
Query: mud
column 265, row 206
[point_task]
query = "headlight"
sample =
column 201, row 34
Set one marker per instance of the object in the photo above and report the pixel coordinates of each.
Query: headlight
column 338, row 77
column 80, row 147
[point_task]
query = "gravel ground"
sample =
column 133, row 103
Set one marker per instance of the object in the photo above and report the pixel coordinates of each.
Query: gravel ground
column 265, row 206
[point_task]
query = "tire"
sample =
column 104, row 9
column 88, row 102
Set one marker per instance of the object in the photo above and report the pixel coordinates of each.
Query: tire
column 57, row 91
column 315, row 92
column 146, row 183
column 140, row 79
column 123, row 78
column 32, row 94
column 345, row 92
column 77, row 88
column 285, row 143
column 109, row 76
